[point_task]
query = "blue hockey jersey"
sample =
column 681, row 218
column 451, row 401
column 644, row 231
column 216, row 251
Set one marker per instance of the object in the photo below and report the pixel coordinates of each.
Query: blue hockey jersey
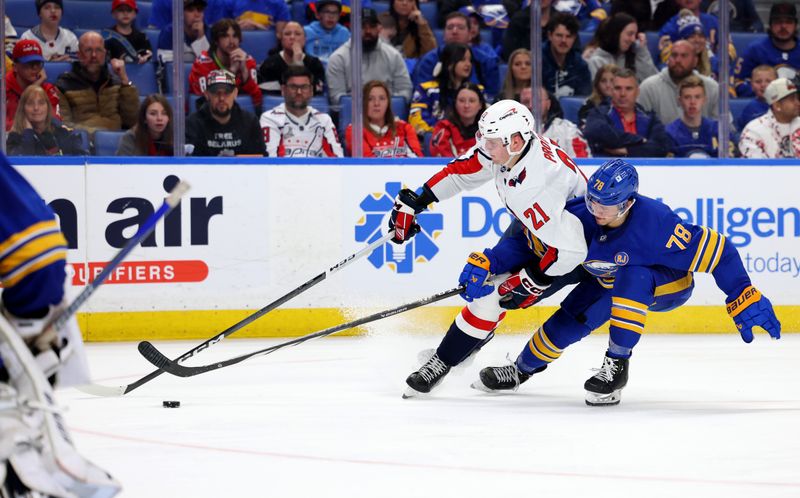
column 698, row 143
column 764, row 52
column 33, row 250
column 653, row 235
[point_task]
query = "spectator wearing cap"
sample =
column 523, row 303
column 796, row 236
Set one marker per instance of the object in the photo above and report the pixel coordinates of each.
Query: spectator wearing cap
column 659, row 93
column 221, row 127
column 564, row 72
column 226, row 53
column 290, row 53
column 475, row 20
column 36, row 132
column 58, row 44
column 694, row 135
column 325, row 35
column 380, row 61
column 485, row 70
column 123, row 40
column 776, row 134
column 691, row 29
column 195, row 39
column 780, row 49
column 762, row 76
column 28, row 69
column 669, row 31
column 294, row 128
column 623, row 129
column 95, row 95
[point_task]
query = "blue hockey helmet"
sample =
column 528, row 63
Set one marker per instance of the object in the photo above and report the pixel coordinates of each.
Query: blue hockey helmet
column 612, row 185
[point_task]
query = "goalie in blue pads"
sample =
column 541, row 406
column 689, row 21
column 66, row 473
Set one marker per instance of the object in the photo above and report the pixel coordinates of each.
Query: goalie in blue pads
column 642, row 257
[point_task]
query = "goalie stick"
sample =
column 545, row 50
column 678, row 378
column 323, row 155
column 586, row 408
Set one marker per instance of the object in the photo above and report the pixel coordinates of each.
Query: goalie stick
column 158, row 359
column 113, row 391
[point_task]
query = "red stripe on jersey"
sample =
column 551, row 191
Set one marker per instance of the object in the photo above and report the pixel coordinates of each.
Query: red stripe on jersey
column 466, row 166
column 478, row 323
column 550, row 257
column 327, row 149
column 281, row 148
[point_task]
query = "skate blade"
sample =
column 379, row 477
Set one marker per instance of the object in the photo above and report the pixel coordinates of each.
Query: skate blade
column 413, row 393
column 597, row 399
column 478, row 385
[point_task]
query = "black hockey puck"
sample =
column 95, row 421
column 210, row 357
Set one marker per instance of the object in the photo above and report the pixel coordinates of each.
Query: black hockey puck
column 171, row 404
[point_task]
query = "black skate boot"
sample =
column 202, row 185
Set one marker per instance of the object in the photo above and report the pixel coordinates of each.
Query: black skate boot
column 507, row 378
column 426, row 378
column 604, row 389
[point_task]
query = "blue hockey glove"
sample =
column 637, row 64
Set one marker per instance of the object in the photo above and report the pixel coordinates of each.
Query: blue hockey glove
column 474, row 275
column 751, row 309
column 521, row 290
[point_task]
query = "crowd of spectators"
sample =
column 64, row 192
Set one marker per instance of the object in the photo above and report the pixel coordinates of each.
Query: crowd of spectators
column 426, row 80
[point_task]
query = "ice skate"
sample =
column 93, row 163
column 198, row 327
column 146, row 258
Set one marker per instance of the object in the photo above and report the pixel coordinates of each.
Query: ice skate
column 426, row 378
column 496, row 379
column 605, row 387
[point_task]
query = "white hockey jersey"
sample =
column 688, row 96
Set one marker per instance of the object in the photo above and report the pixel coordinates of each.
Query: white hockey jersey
column 311, row 135
column 534, row 191
column 569, row 137
column 765, row 137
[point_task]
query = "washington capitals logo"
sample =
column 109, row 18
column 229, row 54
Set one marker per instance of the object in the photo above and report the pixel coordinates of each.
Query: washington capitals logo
column 377, row 208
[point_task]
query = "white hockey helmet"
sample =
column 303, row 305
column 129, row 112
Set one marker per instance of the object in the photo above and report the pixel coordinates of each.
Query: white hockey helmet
column 502, row 120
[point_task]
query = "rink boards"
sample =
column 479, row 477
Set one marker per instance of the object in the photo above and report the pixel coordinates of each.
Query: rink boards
column 251, row 230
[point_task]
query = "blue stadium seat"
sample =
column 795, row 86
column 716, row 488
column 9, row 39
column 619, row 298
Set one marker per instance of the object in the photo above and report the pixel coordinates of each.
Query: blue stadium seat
column 143, row 15
column 380, row 6
column 152, row 37
column 438, row 33
column 399, row 107
column 585, row 37
column 84, row 138
column 502, row 70
column 652, row 46
column 87, row 14
column 298, row 11
column 570, row 107
column 55, row 69
column 22, row 13
column 743, row 40
column 410, row 64
column 143, row 76
column 107, row 142
column 319, row 103
column 187, row 67
column 737, row 107
column 258, row 43
column 426, row 144
column 430, row 11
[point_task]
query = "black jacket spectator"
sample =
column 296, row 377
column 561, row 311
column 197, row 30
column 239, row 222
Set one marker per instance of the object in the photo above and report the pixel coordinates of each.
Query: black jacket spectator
column 572, row 79
column 270, row 71
column 604, row 131
column 240, row 136
column 126, row 47
column 59, row 141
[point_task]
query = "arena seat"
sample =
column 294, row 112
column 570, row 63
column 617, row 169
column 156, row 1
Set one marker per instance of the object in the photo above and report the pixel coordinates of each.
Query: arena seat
column 187, row 67
column 570, row 107
column 399, row 107
column 143, row 76
column 298, row 11
column 55, row 69
column 258, row 43
column 652, row 46
column 737, row 107
column 87, row 15
column 430, row 11
column 584, row 37
column 107, row 142
column 743, row 40
column 152, row 37
column 22, row 13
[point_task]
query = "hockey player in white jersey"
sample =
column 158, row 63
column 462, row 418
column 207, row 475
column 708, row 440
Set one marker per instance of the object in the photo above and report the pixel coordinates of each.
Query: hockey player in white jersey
column 539, row 253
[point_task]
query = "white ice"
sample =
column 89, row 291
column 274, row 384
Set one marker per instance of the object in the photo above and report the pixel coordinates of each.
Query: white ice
column 702, row 416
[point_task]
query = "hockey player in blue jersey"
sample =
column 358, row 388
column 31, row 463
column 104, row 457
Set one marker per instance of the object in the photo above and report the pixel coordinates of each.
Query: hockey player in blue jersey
column 780, row 49
column 642, row 257
column 32, row 270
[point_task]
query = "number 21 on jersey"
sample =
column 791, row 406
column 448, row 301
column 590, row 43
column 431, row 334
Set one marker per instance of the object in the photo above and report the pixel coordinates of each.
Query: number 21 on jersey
column 537, row 216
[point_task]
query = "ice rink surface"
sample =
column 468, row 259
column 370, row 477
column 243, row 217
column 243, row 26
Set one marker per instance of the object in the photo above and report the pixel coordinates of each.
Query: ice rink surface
column 702, row 416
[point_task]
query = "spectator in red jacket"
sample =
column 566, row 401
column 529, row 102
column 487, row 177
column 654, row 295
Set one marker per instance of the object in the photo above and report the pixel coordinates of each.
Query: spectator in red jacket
column 224, row 52
column 384, row 135
column 28, row 69
column 455, row 135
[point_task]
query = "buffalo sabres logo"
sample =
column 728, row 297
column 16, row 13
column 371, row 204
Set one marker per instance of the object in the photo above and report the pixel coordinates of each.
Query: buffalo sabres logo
column 621, row 258
column 600, row 268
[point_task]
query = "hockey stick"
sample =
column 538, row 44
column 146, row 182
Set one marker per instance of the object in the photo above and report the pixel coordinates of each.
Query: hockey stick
column 108, row 391
column 158, row 359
